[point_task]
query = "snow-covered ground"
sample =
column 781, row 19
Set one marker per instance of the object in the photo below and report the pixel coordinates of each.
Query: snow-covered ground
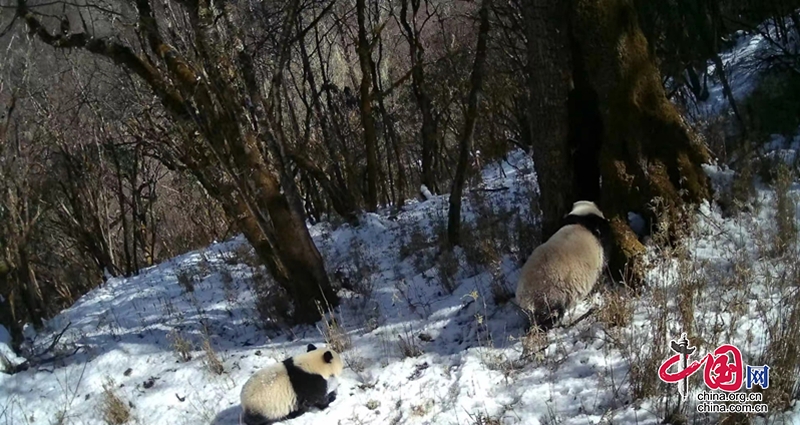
column 415, row 352
column 464, row 369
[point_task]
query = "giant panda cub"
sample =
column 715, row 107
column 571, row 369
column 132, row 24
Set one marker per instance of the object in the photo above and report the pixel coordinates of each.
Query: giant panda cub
column 288, row 389
column 564, row 269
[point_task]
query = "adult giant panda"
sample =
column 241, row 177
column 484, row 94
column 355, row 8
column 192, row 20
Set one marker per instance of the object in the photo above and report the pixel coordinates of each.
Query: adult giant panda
column 565, row 268
column 288, row 389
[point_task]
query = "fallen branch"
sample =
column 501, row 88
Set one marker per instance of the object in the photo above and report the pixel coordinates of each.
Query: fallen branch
column 35, row 359
column 496, row 189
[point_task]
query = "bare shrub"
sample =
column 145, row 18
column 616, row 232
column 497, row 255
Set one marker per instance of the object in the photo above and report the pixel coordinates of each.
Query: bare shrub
column 447, row 267
column 115, row 411
column 740, row 194
column 502, row 292
column 242, row 254
column 358, row 276
column 272, row 303
column 423, row 408
column 203, row 267
column 186, row 279
column 413, row 241
column 525, row 233
column 488, row 237
column 226, row 278
column 181, row 345
column 357, row 364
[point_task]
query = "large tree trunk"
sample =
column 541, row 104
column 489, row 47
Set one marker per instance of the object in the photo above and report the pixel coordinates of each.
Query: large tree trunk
column 548, row 85
column 648, row 152
column 465, row 145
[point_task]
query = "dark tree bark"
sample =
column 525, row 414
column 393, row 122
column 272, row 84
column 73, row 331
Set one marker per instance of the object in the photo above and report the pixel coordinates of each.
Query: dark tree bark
column 648, row 152
column 548, row 73
column 364, row 49
column 465, row 144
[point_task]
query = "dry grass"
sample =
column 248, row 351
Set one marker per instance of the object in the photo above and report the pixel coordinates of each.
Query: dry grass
column 408, row 345
column 617, row 308
column 785, row 211
column 720, row 300
column 180, row 345
column 114, row 410
column 423, row 408
column 336, row 337
column 783, row 351
column 534, row 342
column 481, row 418
column 212, row 359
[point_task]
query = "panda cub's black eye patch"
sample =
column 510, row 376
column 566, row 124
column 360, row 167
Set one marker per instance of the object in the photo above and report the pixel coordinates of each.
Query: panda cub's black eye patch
column 328, row 357
column 311, row 347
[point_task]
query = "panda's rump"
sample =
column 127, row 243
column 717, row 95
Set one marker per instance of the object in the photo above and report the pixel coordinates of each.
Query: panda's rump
column 561, row 270
column 575, row 254
column 269, row 394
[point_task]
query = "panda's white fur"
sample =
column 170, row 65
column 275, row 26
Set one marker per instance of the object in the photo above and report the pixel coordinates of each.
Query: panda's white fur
column 289, row 388
column 564, row 269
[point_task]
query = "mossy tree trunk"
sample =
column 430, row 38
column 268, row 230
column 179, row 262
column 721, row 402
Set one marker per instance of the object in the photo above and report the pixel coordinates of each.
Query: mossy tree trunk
column 648, row 152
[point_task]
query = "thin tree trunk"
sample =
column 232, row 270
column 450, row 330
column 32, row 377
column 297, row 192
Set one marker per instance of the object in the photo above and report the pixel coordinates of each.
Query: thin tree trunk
column 364, row 49
column 398, row 195
column 424, row 102
column 465, row 144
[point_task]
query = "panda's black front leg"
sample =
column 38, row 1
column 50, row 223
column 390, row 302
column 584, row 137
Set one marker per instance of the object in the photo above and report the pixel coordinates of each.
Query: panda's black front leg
column 327, row 400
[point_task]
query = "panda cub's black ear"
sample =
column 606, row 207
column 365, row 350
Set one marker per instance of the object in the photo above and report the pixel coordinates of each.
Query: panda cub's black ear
column 311, row 347
column 328, row 357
